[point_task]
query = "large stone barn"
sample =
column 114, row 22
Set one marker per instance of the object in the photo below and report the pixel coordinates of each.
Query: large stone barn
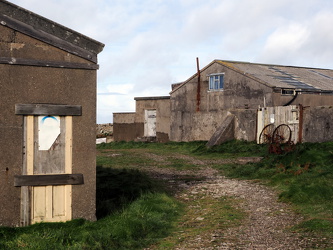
column 47, row 120
column 226, row 95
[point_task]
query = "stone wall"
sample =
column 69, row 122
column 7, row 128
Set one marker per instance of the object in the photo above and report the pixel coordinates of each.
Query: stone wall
column 131, row 126
column 318, row 124
column 196, row 114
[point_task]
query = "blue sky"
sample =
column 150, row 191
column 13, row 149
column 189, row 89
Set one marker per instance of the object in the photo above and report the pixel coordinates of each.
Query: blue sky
column 150, row 44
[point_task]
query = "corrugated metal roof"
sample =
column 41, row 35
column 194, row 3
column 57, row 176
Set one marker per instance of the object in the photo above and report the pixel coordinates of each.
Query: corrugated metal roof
column 302, row 78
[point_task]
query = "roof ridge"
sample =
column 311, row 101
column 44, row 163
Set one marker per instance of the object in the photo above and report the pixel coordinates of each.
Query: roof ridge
column 53, row 28
column 269, row 64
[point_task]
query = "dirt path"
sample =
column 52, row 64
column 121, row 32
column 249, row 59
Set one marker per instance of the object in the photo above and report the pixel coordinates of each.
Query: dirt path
column 267, row 225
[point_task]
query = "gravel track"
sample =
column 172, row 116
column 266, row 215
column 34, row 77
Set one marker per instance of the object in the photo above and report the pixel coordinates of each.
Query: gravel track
column 268, row 224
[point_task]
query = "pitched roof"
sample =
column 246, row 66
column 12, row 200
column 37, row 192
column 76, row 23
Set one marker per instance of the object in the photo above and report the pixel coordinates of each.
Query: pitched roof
column 278, row 76
column 48, row 31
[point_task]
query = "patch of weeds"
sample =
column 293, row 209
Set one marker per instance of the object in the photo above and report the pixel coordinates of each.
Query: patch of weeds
column 179, row 164
column 324, row 226
column 190, row 178
column 233, row 149
column 318, row 231
column 205, row 216
column 137, row 226
column 116, row 188
column 303, row 176
column 122, row 145
column 122, row 159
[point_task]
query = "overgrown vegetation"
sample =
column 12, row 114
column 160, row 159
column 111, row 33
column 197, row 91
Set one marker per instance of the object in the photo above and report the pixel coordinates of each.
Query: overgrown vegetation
column 135, row 211
column 304, row 178
column 116, row 188
column 214, row 215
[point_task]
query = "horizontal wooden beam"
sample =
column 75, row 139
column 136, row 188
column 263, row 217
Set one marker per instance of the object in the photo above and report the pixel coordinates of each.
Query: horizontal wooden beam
column 50, row 64
column 48, row 109
column 48, row 180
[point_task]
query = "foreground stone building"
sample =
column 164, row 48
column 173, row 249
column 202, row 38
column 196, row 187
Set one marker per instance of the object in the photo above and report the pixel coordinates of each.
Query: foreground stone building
column 47, row 120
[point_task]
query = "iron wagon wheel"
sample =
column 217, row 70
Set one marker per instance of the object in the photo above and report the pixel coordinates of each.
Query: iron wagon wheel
column 282, row 134
column 266, row 134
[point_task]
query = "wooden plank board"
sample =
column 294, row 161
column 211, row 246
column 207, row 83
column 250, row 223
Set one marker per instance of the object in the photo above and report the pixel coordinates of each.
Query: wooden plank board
column 68, row 144
column 30, row 145
column 48, row 109
column 45, row 180
column 68, row 166
column 25, row 191
column 278, row 115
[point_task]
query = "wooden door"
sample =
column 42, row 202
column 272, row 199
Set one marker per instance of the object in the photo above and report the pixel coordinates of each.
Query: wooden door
column 150, row 123
column 48, row 152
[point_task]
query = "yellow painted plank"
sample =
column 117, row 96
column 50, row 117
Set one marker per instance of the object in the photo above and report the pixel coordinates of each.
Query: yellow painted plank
column 30, row 144
column 49, row 202
column 68, row 202
column 39, row 204
column 68, row 166
column 59, row 200
column 68, row 143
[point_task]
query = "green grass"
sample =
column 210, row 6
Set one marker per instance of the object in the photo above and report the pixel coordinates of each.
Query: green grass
column 117, row 188
column 213, row 216
column 140, row 224
column 127, row 158
column 304, row 178
column 133, row 212
column 230, row 149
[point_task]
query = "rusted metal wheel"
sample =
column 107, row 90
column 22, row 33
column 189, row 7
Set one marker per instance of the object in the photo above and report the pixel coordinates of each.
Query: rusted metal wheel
column 266, row 134
column 282, row 134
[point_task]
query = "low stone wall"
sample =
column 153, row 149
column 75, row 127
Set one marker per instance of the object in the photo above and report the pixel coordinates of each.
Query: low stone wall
column 127, row 131
column 318, row 124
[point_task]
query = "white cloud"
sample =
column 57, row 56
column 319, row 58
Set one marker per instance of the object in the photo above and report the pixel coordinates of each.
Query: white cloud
column 286, row 41
column 151, row 44
column 120, row 88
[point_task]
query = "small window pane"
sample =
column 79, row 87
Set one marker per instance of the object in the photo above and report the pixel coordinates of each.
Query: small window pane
column 221, row 81
column 216, row 82
column 211, row 86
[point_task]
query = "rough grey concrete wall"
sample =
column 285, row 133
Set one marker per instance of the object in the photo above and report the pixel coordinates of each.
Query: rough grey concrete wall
column 26, row 85
column 304, row 99
column 130, row 126
column 225, row 132
column 162, row 106
column 190, row 122
column 125, row 128
column 318, row 124
column 127, row 131
column 245, row 124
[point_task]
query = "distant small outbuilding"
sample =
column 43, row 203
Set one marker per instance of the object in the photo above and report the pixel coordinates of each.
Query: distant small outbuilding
column 47, row 120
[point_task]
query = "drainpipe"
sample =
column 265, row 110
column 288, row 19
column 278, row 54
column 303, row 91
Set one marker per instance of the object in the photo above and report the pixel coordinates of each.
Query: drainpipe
column 293, row 99
column 198, row 87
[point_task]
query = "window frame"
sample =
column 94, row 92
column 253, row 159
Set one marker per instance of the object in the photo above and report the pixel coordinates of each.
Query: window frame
column 217, row 84
column 285, row 91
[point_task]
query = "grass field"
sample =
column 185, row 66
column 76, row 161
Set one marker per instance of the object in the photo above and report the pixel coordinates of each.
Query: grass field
column 135, row 211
